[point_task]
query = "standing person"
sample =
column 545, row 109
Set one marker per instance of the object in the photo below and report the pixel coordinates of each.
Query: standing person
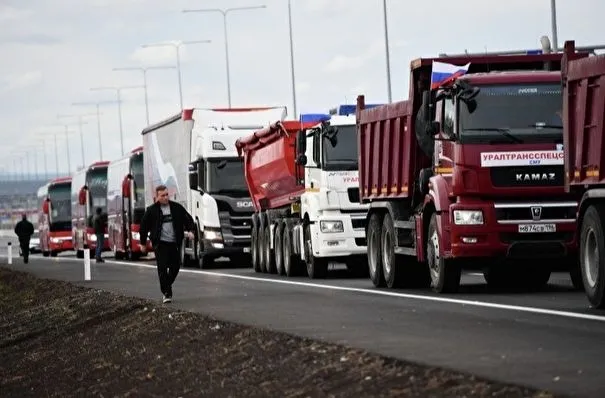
column 99, row 223
column 166, row 222
column 24, row 231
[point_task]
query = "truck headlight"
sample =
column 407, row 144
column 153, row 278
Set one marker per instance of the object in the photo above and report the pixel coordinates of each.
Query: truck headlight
column 55, row 240
column 331, row 226
column 136, row 235
column 468, row 217
column 92, row 238
column 212, row 234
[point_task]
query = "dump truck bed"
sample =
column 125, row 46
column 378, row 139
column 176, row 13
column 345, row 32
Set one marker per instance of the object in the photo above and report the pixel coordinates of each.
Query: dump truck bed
column 584, row 120
column 272, row 176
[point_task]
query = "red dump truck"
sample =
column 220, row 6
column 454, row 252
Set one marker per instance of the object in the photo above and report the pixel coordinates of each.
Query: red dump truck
column 583, row 139
column 468, row 173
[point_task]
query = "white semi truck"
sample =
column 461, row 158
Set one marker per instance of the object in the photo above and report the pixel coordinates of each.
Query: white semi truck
column 304, row 187
column 193, row 153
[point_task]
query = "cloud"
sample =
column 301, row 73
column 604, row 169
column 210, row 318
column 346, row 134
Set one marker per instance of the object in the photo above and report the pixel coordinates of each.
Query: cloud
column 22, row 80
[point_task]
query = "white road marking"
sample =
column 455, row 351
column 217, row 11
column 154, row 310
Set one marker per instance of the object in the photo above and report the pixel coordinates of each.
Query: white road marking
column 472, row 303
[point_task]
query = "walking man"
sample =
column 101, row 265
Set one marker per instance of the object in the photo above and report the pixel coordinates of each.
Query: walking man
column 99, row 223
column 166, row 222
column 24, row 231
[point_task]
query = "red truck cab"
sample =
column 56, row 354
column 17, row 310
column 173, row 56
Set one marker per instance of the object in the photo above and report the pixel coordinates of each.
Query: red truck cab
column 126, row 205
column 88, row 192
column 584, row 135
column 54, row 220
column 469, row 175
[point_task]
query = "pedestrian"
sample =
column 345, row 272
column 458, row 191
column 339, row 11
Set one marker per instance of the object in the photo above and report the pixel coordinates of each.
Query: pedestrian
column 24, row 231
column 99, row 223
column 167, row 223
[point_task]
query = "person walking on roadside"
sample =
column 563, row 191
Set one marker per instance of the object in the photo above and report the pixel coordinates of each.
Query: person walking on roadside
column 99, row 223
column 24, row 231
column 167, row 223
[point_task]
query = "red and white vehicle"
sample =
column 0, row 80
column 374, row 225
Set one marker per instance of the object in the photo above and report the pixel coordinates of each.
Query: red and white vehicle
column 88, row 191
column 54, row 220
column 126, row 205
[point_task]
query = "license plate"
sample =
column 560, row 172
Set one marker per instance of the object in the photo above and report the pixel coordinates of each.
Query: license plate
column 537, row 228
column 246, row 250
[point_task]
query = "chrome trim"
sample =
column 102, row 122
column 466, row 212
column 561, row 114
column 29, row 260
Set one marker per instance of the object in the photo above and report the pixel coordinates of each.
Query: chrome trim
column 530, row 204
column 547, row 221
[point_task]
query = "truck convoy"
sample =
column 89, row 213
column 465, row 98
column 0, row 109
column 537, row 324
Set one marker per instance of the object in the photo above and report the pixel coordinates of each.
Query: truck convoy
column 193, row 153
column 583, row 139
column 54, row 221
column 88, row 192
column 302, row 177
column 126, row 205
column 468, row 172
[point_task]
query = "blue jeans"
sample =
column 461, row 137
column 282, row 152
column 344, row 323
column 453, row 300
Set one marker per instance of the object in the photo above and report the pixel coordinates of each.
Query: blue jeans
column 99, row 248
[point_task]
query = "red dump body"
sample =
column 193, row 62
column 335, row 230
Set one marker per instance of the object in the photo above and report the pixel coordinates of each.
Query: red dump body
column 269, row 164
column 584, row 119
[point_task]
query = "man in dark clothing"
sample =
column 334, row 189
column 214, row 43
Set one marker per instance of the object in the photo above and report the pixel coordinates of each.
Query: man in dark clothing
column 98, row 224
column 166, row 222
column 24, row 231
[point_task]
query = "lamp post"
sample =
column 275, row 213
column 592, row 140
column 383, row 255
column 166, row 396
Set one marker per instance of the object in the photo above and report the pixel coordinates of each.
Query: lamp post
column 292, row 58
column 225, row 12
column 144, row 70
column 97, row 105
column 177, row 46
column 118, row 91
column 553, row 21
column 80, row 123
column 386, row 45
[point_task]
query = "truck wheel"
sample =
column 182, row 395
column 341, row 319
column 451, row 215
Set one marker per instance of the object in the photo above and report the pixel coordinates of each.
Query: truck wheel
column 374, row 251
column 254, row 245
column 262, row 260
column 400, row 271
column 269, row 258
column 445, row 273
column 54, row 253
column 290, row 262
column 317, row 267
column 279, row 252
column 45, row 254
column 592, row 254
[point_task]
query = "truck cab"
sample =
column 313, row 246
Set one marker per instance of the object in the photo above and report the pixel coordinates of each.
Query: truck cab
column 222, row 207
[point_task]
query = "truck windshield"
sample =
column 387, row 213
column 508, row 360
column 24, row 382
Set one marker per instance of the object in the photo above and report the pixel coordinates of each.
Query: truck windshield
column 513, row 113
column 136, row 166
column 226, row 177
column 60, row 199
column 97, row 185
column 342, row 156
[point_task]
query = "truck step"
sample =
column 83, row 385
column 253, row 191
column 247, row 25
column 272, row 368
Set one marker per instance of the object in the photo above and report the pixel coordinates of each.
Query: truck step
column 409, row 251
column 405, row 224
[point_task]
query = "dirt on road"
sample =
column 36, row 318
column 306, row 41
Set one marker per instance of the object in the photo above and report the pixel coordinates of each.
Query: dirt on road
column 60, row 340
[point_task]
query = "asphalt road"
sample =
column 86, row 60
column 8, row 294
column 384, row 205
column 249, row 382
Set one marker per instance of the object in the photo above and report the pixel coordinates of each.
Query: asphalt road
column 550, row 339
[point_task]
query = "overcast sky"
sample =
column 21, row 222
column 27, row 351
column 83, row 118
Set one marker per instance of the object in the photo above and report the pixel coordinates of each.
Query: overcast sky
column 54, row 51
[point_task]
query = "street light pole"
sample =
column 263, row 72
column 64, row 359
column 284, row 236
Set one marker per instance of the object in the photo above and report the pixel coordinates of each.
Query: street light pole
column 224, row 12
column 177, row 46
column 98, row 113
column 386, row 44
column 80, row 123
column 144, row 70
column 118, row 91
column 292, row 58
column 553, row 21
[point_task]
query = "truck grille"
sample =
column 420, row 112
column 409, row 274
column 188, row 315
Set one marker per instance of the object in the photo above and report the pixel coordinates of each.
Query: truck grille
column 523, row 176
column 353, row 195
column 546, row 213
column 234, row 225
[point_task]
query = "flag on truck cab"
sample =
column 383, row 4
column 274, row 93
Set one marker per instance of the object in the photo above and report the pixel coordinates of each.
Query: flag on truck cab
column 443, row 73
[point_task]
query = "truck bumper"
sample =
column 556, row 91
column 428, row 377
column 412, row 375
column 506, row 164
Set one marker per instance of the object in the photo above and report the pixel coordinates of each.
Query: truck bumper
column 511, row 239
column 60, row 244
column 350, row 242
column 219, row 249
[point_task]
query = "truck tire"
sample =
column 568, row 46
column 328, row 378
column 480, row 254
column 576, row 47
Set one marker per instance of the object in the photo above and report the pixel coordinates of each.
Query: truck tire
column 374, row 250
column 592, row 254
column 317, row 267
column 269, row 258
column 400, row 271
column 445, row 273
column 254, row 245
column 291, row 261
column 279, row 246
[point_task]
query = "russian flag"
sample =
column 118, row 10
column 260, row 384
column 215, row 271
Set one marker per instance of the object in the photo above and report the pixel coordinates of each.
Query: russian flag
column 443, row 73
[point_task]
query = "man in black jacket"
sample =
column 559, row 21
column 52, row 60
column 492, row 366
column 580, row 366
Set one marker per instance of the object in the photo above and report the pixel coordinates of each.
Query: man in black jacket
column 166, row 222
column 24, row 230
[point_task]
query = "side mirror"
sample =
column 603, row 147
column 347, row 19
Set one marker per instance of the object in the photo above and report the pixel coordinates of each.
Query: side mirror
column 193, row 180
column 433, row 128
column 82, row 196
column 126, row 187
column 301, row 144
column 46, row 206
column 301, row 160
column 471, row 105
column 426, row 105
